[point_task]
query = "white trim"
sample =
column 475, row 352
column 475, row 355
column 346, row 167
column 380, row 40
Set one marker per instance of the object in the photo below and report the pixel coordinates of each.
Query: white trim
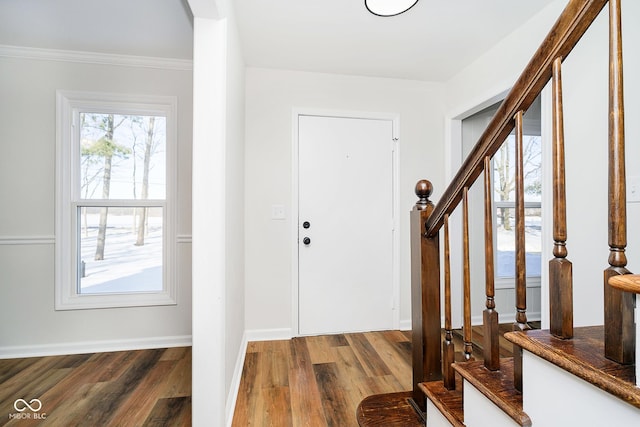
column 269, row 334
column 454, row 159
column 510, row 282
column 405, row 325
column 68, row 104
column 183, row 238
column 395, row 266
column 295, row 219
column 480, row 103
column 234, row 388
column 95, row 58
column 27, row 240
column 82, row 347
column 395, row 269
column 546, row 130
column 532, row 316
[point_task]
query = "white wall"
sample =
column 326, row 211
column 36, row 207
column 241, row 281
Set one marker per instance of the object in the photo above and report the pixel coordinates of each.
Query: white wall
column 496, row 70
column 271, row 96
column 235, row 342
column 28, row 321
column 586, row 125
column 585, row 106
column 218, row 214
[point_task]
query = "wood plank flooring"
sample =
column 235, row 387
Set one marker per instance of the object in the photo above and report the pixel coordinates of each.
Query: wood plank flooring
column 308, row 381
column 319, row 381
column 128, row 388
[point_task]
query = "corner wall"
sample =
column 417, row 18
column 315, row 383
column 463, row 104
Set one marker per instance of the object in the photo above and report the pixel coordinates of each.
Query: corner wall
column 218, row 215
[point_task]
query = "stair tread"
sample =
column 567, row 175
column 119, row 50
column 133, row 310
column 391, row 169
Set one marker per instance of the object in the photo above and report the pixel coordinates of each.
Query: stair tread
column 448, row 402
column 386, row 410
column 497, row 386
column 583, row 356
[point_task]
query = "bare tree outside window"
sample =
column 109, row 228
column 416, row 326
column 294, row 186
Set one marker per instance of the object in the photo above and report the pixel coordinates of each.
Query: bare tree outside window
column 504, row 172
column 504, row 197
column 122, row 157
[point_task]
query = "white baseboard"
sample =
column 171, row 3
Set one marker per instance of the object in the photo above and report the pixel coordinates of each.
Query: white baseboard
column 234, row 389
column 508, row 318
column 58, row 349
column 405, row 325
column 269, row 334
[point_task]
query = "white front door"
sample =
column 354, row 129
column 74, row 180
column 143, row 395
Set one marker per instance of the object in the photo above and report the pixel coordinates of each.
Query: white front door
column 345, row 225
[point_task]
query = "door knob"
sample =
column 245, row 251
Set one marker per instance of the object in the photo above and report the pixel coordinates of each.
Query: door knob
column 306, row 241
column 306, row 224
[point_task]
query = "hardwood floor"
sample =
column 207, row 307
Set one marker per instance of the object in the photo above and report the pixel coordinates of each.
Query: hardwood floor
column 128, row 388
column 308, row 381
column 319, row 381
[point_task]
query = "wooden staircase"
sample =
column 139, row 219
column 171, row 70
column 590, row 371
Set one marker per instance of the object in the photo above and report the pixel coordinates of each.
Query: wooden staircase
column 396, row 409
column 453, row 386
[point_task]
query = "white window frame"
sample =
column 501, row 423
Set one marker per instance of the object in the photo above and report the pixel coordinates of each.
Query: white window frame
column 509, row 282
column 68, row 106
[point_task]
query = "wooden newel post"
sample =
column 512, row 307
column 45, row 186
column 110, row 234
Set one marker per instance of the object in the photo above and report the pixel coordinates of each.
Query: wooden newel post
column 425, row 296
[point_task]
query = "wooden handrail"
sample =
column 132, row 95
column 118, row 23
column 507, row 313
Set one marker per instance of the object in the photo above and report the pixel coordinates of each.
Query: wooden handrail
column 564, row 35
column 428, row 219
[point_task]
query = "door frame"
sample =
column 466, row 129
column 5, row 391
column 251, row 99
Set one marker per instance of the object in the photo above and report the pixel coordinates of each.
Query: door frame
column 295, row 219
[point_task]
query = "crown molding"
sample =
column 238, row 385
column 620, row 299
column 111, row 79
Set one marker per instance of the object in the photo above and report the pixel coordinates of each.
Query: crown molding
column 95, row 58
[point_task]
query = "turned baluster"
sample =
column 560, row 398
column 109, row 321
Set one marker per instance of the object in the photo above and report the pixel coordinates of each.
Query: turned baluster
column 521, row 269
column 466, row 276
column 425, row 297
column 490, row 315
column 448, row 350
column 618, row 305
column 560, row 268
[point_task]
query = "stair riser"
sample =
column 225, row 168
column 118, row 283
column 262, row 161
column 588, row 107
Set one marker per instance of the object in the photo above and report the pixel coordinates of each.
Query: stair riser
column 478, row 409
column 569, row 400
column 435, row 418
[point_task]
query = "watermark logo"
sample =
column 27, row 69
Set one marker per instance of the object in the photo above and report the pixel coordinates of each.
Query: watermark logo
column 21, row 405
column 33, row 406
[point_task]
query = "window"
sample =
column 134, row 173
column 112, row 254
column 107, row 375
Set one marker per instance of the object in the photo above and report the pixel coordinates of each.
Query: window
column 504, row 204
column 115, row 236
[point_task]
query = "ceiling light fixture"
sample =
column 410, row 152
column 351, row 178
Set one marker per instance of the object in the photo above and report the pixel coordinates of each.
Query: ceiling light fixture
column 389, row 7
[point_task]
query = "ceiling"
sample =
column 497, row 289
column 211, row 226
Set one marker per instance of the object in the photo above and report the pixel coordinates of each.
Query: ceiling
column 433, row 41
column 161, row 28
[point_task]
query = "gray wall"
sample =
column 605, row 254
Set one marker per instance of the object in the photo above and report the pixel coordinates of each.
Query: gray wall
column 28, row 321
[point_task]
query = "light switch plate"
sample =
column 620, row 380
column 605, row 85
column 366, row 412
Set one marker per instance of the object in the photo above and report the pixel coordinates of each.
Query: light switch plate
column 633, row 189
